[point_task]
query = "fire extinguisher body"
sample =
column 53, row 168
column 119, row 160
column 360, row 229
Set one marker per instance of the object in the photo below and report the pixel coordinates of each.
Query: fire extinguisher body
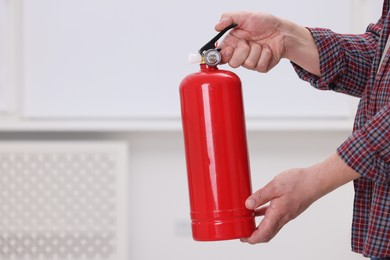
column 216, row 155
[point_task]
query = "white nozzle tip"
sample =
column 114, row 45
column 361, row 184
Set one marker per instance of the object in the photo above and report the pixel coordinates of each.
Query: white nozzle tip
column 194, row 58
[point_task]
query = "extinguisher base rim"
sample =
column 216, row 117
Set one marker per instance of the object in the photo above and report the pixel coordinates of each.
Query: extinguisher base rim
column 223, row 230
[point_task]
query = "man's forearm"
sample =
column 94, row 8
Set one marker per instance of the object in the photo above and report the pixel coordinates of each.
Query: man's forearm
column 300, row 47
column 329, row 175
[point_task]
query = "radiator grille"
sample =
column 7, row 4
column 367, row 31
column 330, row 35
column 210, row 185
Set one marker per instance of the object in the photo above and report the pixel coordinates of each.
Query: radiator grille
column 59, row 200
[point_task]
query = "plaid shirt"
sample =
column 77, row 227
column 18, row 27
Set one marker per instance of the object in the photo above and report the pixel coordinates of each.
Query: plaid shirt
column 350, row 65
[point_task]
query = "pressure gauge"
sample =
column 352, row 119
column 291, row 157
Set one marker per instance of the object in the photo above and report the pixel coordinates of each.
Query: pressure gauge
column 212, row 57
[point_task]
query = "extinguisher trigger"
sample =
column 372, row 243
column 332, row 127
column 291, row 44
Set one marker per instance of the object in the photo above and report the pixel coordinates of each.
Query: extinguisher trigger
column 212, row 43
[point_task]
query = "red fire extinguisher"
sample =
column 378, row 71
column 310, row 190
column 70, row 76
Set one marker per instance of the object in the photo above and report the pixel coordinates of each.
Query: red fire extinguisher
column 216, row 150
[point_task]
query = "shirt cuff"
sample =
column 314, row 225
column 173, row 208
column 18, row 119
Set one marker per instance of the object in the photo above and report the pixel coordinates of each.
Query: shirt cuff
column 331, row 59
column 358, row 154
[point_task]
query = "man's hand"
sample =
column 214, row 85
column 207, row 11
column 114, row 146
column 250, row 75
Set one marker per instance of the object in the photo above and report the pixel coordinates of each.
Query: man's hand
column 256, row 43
column 292, row 192
column 261, row 40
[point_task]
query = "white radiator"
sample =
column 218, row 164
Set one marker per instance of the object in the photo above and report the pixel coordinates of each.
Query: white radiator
column 63, row 200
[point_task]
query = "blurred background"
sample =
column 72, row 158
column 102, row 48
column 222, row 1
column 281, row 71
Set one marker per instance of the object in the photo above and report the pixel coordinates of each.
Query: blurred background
column 107, row 73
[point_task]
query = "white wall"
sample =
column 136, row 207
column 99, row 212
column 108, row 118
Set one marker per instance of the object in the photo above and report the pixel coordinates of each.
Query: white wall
column 108, row 59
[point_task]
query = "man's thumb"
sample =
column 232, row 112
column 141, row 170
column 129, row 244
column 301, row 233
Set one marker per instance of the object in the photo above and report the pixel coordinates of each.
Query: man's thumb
column 258, row 198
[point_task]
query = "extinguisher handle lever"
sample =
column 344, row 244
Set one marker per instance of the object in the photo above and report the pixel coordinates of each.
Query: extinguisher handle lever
column 211, row 43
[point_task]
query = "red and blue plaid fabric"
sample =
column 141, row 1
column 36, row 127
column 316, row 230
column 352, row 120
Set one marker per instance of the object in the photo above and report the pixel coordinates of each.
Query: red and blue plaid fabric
column 350, row 65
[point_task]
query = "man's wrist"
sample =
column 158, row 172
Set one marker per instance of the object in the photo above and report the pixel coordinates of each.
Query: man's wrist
column 330, row 174
column 300, row 47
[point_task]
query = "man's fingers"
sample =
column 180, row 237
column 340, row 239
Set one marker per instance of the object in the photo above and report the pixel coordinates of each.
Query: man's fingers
column 240, row 54
column 260, row 211
column 253, row 57
column 224, row 22
column 265, row 232
column 260, row 197
column 269, row 226
column 228, row 46
column 264, row 62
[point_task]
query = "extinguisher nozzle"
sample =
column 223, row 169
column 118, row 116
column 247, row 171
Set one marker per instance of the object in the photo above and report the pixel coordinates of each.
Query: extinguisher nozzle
column 194, row 58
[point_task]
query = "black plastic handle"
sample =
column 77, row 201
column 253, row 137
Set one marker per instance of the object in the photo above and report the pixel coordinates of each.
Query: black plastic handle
column 211, row 43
